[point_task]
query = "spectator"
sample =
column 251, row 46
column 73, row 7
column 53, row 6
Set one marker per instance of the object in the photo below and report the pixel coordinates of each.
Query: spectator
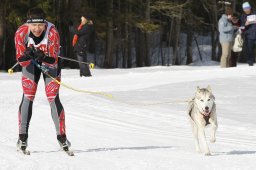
column 248, row 21
column 226, row 30
column 81, row 42
column 235, row 53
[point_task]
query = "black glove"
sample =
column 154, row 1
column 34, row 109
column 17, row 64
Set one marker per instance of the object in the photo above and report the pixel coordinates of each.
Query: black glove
column 27, row 55
column 39, row 55
column 29, row 52
column 49, row 60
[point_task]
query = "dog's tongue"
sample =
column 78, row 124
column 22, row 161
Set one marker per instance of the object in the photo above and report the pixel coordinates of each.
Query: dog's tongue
column 206, row 113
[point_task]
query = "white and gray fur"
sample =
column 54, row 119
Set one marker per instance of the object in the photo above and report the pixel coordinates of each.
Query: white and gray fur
column 202, row 113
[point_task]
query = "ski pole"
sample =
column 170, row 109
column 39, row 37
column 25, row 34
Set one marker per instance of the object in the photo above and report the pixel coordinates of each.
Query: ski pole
column 10, row 70
column 45, row 70
column 91, row 65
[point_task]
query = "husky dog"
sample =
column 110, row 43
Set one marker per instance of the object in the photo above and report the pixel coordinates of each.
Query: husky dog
column 202, row 113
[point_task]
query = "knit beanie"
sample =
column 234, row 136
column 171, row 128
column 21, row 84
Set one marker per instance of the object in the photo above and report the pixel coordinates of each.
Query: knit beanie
column 246, row 5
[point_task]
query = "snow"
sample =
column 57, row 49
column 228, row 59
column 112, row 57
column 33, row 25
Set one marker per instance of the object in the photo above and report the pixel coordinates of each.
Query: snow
column 143, row 127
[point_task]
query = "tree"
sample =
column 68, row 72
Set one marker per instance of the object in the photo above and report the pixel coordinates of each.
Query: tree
column 108, row 62
column 129, row 32
column 175, row 12
column 211, row 8
column 2, row 32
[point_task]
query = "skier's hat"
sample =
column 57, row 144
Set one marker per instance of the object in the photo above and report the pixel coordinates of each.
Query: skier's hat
column 36, row 15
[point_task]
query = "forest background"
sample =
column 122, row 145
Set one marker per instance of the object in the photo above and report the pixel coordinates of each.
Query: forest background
column 128, row 33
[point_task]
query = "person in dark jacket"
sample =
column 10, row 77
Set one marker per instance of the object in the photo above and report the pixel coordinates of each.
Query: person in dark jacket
column 248, row 21
column 81, row 41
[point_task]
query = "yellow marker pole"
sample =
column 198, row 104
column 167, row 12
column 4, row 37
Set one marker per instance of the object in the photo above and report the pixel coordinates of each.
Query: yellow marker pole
column 91, row 65
column 10, row 70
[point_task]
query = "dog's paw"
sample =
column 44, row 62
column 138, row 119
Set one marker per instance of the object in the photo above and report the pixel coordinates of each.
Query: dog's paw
column 207, row 154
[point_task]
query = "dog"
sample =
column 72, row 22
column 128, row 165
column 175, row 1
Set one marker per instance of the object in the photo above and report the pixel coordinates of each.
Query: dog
column 202, row 113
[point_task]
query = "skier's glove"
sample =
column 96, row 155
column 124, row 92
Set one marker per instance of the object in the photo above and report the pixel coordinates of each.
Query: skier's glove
column 29, row 52
column 49, row 60
column 39, row 55
column 27, row 55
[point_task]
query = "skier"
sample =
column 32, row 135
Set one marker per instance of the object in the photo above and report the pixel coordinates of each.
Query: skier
column 38, row 41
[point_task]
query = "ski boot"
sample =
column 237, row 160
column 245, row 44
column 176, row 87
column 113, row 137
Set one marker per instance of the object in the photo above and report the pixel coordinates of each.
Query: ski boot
column 65, row 144
column 22, row 146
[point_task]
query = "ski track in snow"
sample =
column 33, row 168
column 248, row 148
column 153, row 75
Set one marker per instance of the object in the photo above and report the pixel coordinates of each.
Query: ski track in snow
column 143, row 127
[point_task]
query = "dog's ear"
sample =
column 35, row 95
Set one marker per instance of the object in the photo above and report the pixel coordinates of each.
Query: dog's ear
column 198, row 89
column 209, row 88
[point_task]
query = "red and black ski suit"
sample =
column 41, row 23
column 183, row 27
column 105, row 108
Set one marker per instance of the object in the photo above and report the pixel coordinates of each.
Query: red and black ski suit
column 49, row 44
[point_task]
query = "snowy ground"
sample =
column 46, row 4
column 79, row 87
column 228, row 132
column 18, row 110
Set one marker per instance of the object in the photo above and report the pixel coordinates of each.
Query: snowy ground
column 144, row 127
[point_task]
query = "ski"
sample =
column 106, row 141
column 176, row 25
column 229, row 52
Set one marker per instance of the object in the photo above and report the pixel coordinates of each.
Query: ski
column 66, row 149
column 25, row 152
column 65, row 145
column 70, row 153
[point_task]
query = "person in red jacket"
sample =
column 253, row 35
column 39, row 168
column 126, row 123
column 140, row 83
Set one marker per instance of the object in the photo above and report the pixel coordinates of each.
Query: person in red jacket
column 81, row 42
column 38, row 41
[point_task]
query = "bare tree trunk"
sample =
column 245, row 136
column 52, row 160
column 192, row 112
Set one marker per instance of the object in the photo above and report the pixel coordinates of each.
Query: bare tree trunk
column 2, row 32
column 234, row 2
column 176, row 58
column 199, row 52
column 109, row 39
column 71, row 6
column 211, row 8
column 109, row 45
column 129, row 42
column 129, row 46
column 215, row 39
column 127, row 54
column 119, row 42
column 142, row 40
column 147, row 12
column 147, row 49
column 189, row 47
column 125, row 36
column 68, row 39
column 146, row 36
column 139, row 48
column 125, row 46
column 169, row 41
column 161, row 53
